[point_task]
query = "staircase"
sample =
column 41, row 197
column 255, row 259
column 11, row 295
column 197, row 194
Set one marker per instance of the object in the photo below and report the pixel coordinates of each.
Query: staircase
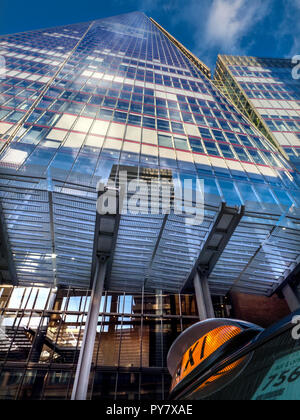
column 15, row 344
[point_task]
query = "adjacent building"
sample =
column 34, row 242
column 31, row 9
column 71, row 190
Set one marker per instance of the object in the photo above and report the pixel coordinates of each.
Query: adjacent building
column 83, row 104
column 266, row 91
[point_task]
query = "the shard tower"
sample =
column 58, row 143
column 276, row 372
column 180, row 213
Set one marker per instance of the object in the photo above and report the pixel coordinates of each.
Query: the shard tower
column 79, row 105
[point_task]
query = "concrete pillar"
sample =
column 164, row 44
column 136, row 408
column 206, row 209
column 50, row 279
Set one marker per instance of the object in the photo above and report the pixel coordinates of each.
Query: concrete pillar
column 52, row 298
column 81, row 382
column 207, row 298
column 200, row 298
column 291, row 298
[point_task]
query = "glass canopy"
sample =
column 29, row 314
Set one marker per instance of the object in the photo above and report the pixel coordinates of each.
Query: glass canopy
column 50, row 226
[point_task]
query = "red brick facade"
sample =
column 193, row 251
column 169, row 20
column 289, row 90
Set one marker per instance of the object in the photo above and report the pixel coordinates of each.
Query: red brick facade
column 260, row 310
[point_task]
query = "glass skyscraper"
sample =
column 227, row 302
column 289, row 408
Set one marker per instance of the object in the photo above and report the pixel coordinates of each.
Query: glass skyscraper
column 265, row 90
column 79, row 104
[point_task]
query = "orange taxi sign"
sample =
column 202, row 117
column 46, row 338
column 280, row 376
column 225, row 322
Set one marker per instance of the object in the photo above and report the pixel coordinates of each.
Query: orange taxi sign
column 202, row 349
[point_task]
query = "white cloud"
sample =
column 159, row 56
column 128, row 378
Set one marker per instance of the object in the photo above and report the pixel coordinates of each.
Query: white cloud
column 216, row 25
column 229, row 20
column 231, row 26
column 289, row 27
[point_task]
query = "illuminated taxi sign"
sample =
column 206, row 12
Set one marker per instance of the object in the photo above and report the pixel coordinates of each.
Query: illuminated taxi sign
column 202, row 349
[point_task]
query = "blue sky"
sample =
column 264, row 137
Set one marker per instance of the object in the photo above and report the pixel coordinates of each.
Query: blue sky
column 265, row 28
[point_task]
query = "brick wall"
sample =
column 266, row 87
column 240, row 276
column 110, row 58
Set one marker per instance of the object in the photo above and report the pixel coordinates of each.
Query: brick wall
column 260, row 310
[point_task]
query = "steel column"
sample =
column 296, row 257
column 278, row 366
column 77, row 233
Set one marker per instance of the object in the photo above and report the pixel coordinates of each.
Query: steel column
column 81, row 382
column 207, row 297
column 200, row 299
column 52, row 298
column 291, row 298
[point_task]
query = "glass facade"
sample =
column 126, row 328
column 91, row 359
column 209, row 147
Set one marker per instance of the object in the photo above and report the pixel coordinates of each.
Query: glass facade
column 40, row 343
column 266, row 91
column 79, row 103
column 80, row 100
